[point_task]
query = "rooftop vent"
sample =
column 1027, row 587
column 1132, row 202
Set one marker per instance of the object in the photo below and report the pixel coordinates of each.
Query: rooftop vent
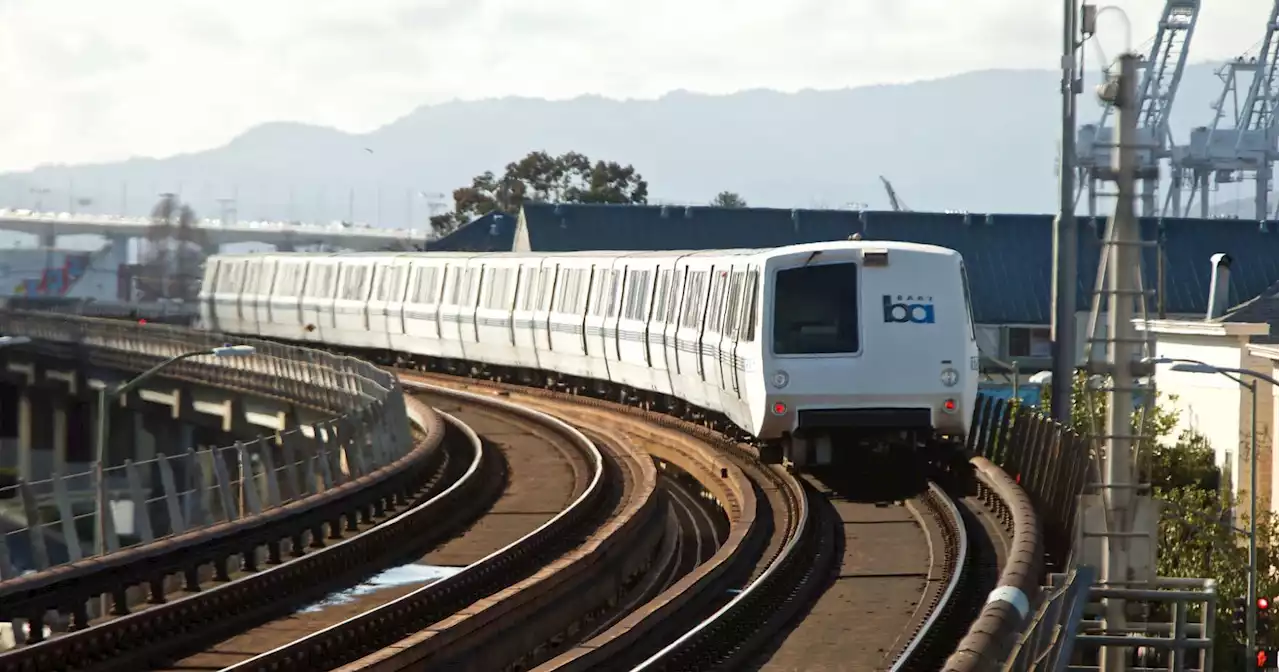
column 1219, row 282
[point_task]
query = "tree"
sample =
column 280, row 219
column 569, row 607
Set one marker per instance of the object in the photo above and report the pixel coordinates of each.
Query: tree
column 542, row 178
column 728, row 199
column 172, row 253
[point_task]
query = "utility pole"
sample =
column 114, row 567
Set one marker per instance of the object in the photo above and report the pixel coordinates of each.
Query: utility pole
column 1123, row 350
column 1065, row 236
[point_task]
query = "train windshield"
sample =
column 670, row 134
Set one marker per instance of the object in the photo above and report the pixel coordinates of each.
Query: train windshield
column 815, row 310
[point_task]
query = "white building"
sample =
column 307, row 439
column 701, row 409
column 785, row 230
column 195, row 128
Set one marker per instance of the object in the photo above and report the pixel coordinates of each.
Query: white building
column 1243, row 337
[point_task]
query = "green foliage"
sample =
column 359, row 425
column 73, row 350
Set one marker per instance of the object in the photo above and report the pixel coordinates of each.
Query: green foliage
column 542, row 178
column 728, row 199
column 1198, row 534
column 172, row 252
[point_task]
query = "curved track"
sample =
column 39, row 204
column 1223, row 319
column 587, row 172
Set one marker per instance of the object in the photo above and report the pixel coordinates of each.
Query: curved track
column 817, row 561
column 890, row 549
column 592, row 496
column 637, row 541
column 539, row 474
column 175, row 619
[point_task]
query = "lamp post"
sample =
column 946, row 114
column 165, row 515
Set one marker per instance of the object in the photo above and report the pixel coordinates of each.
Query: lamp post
column 1237, row 376
column 104, row 417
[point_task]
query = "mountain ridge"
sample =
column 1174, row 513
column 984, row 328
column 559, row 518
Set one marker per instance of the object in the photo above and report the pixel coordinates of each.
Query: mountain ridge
column 982, row 141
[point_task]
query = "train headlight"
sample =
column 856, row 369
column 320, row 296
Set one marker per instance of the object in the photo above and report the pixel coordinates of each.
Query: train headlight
column 779, row 408
column 950, row 377
column 949, row 405
column 780, row 379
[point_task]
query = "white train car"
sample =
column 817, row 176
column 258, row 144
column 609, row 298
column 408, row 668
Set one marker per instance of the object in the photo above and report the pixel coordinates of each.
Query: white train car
column 806, row 348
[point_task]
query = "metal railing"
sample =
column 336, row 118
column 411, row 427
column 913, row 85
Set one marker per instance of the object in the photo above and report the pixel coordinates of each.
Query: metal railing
column 1049, row 461
column 46, row 522
column 1052, row 464
column 1066, row 632
column 1048, row 641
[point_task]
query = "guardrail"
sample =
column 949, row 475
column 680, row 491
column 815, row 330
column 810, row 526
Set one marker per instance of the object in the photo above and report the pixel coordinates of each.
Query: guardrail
column 368, row 429
column 1049, row 461
column 991, row 635
column 1030, row 469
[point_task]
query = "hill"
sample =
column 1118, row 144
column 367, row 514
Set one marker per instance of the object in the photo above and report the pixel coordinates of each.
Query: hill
column 982, row 141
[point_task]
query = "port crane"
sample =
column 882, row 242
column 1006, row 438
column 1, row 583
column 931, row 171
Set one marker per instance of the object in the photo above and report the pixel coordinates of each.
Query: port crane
column 1248, row 146
column 1161, row 73
column 896, row 203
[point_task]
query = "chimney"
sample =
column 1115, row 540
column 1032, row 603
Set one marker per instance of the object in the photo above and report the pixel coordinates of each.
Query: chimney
column 1218, row 284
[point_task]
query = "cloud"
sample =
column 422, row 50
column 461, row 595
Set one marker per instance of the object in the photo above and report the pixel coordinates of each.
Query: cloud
column 101, row 81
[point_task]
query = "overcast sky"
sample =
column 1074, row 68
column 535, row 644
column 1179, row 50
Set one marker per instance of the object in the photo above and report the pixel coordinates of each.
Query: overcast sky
column 95, row 80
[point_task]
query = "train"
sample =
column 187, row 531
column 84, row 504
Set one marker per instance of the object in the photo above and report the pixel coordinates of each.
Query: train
column 805, row 350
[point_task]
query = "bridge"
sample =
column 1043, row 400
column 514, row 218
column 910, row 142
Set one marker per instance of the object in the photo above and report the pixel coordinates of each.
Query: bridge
column 324, row 469
column 284, row 235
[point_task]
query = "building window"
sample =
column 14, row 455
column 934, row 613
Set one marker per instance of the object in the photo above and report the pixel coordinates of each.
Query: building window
column 1029, row 342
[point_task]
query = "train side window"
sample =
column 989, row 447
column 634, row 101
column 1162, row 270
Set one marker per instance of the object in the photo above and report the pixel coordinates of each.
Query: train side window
column 581, row 289
column 453, row 281
column 251, row 278
column 638, row 290
column 715, row 318
column 660, row 297
column 615, row 285
column 285, row 273
column 687, row 309
column 561, row 291
column 315, row 283
column 815, row 310
column 733, row 305
column 752, row 314
column 677, row 297
column 596, row 299
column 383, row 291
column 283, row 278
column 397, row 285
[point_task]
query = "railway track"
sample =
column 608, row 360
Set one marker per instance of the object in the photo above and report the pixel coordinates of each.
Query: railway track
column 296, row 552
column 893, row 551
column 629, row 540
column 776, row 564
column 570, row 507
column 536, row 473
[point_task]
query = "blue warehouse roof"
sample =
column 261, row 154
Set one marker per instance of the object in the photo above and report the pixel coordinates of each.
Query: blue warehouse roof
column 494, row 232
column 1008, row 256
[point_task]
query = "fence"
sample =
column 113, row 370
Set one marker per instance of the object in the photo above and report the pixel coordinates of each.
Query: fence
column 1049, row 461
column 1174, row 616
column 367, row 429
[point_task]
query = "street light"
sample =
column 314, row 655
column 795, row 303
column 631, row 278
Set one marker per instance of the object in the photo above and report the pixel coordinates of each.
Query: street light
column 1237, row 376
column 100, row 448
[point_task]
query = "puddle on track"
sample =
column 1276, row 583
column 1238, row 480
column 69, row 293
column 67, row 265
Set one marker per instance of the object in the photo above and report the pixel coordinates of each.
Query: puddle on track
column 396, row 576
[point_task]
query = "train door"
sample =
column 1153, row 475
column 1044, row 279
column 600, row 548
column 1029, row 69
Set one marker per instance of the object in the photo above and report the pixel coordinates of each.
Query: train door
column 671, row 325
column 547, row 274
column 729, row 336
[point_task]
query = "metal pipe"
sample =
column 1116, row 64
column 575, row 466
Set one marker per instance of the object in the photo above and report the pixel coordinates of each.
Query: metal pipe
column 1251, row 612
column 1065, row 233
column 1122, row 350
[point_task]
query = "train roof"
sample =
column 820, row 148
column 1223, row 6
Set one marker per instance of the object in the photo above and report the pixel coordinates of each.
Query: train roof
column 803, row 248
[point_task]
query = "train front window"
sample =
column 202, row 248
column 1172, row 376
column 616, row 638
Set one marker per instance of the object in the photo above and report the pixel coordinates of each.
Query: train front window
column 815, row 310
